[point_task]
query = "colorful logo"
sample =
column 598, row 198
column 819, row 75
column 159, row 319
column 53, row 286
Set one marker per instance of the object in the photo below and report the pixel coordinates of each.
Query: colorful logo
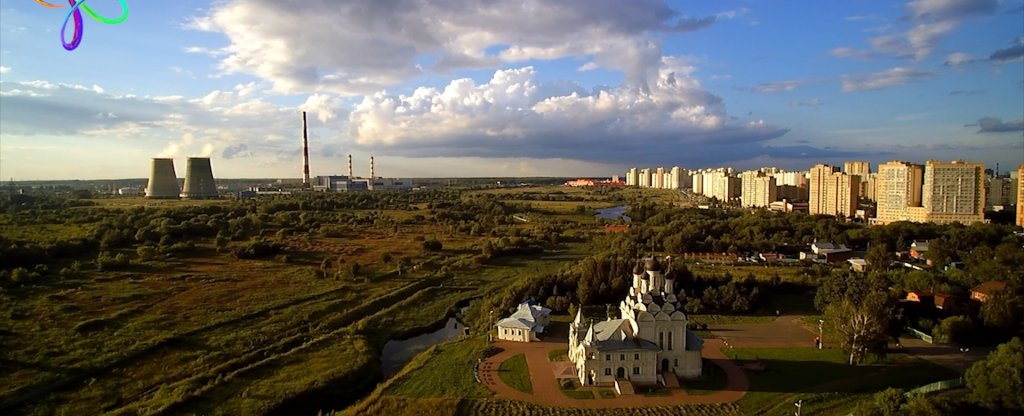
column 76, row 7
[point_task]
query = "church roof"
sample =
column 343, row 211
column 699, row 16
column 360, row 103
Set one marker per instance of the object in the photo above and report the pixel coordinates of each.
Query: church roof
column 526, row 316
column 612, row 335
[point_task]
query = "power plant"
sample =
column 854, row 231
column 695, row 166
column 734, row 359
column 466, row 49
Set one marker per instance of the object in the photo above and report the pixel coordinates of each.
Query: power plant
column 305, row 154
column 163, row 182
column 199, row 181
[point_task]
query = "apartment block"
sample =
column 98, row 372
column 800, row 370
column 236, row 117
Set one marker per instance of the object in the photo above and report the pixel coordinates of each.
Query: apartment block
column 898, row 187
column 832, row 192
column 1020, row 195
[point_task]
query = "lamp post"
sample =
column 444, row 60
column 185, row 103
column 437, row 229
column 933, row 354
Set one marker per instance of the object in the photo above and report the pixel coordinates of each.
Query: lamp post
column 821, row 333
column 963, row 360
column 799, row 405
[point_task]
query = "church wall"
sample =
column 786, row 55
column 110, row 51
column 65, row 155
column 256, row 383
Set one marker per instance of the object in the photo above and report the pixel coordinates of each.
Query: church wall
column 515, row 334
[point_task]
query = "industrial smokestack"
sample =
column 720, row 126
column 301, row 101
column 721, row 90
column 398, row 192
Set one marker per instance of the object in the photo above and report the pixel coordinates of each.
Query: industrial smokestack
column 371, row 174
column 350, row 166
column 199, row 181
column 305, row 153
column 163, row 183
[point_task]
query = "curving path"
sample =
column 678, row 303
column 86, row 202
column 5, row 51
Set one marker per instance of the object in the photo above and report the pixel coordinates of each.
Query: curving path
column 546, row 391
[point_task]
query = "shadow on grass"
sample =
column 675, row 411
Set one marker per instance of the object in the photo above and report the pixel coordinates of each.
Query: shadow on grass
column 785, row 370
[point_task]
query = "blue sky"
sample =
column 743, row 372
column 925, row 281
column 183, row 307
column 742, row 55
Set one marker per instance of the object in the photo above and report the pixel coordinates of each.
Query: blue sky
column 482, row 88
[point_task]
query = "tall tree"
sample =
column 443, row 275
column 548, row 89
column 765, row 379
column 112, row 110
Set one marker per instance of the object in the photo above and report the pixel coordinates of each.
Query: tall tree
column 996, row 382
column 861, row 325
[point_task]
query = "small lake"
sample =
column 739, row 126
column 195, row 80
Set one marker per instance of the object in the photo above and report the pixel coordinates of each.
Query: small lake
column 613, row 213
column 397, row 354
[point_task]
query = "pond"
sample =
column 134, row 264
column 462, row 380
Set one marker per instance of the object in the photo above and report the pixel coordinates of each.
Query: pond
column 613, row 213
column 396, row 354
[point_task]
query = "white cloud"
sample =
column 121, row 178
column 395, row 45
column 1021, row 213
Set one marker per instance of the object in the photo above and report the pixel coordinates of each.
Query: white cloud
column 5, row 69
column 883, row 79
column 957, row 60
column 512, row 115
column 945, row 9
column 930, row 21
column 383, row 42
column 925, row 37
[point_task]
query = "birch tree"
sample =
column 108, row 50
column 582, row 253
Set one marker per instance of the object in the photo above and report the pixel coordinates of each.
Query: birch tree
column 860, row 324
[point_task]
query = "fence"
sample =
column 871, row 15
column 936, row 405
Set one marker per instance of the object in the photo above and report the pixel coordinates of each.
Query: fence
column 933, row 387
column 936, row 386
column 923, row 336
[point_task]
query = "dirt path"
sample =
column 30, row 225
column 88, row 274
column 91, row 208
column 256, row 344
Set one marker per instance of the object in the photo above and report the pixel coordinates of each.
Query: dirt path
column 546, row 391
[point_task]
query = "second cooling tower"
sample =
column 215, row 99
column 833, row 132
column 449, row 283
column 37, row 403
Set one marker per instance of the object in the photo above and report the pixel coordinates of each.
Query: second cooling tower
column 163, row 183
column 199, row 181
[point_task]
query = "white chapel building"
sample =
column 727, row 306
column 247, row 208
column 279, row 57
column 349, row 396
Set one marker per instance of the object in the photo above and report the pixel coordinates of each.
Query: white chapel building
column 524, row 325
column 649, row 342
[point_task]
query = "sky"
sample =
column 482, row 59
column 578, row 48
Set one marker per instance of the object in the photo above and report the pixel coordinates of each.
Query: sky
column 437, row 88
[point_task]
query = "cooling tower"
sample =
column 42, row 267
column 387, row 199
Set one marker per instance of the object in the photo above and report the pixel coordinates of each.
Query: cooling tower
column 163, row 183
column 199, row 179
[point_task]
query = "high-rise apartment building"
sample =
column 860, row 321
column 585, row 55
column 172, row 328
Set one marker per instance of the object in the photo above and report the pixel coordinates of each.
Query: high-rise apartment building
column 898, row 188
column 952, row 192
column 759, row 190
column 633, row 177
column 832, row 192
column 870, row 186
column 645, row 178
column 1020, row 195
column 861, row 169
column 1001, row 192
column 659, row 178
column 698, row 183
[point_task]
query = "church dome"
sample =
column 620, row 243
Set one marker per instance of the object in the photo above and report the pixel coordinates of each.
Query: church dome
column 638, row 269
column 652, row 264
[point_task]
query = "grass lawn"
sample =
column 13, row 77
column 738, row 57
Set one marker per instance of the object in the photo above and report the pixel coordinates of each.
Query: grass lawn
column 713, row 380
column 579, row 394
column 515, row 373
column 730, row 319
column 823, row 379
column 558, row 355
column 606, row 394
column 444, row 371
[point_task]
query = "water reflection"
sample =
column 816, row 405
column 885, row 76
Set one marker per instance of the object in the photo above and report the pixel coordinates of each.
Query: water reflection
column 397, row 353
column 613, row 213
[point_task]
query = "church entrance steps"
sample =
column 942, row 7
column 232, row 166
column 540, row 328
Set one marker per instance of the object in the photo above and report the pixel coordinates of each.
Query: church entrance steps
column 671, row 381
column 624, row 387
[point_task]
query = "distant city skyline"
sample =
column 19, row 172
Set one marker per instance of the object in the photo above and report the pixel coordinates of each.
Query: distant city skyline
column 536, row 88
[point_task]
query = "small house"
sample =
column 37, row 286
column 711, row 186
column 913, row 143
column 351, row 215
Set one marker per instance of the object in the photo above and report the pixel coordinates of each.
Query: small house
column 982, row 292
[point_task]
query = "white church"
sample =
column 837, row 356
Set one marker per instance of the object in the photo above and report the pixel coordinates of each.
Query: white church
column 647, row 344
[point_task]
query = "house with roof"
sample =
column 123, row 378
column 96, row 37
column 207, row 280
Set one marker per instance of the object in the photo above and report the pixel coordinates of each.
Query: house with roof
column 828, row 252
column 648, row 344
column 524, row 324
column 982, row 292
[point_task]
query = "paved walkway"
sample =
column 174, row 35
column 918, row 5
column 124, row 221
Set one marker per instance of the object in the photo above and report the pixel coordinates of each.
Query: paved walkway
column 547, row 392
column 948, row 356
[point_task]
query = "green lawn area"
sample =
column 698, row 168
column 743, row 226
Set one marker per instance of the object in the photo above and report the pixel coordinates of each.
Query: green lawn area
column 823, row 379
column 558, row 355
column 713, row 380
column 515, row 373
column 579, row 394
column 730, row 319
column 443, row 371
column 606, row 394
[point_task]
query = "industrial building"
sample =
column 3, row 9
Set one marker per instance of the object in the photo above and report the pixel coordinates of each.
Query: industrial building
column 163, row 182
column 199, row 182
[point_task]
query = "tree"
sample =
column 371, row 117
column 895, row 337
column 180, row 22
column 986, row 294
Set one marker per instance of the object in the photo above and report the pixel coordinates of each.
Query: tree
column 879, row 256
column 385, row 257
column 885, row 403
column 996, row 382
column 1002, row 310
column 860, row 325
column 955, row 330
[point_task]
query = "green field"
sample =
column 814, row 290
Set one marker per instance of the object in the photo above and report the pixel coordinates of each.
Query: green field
column 514, row 373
